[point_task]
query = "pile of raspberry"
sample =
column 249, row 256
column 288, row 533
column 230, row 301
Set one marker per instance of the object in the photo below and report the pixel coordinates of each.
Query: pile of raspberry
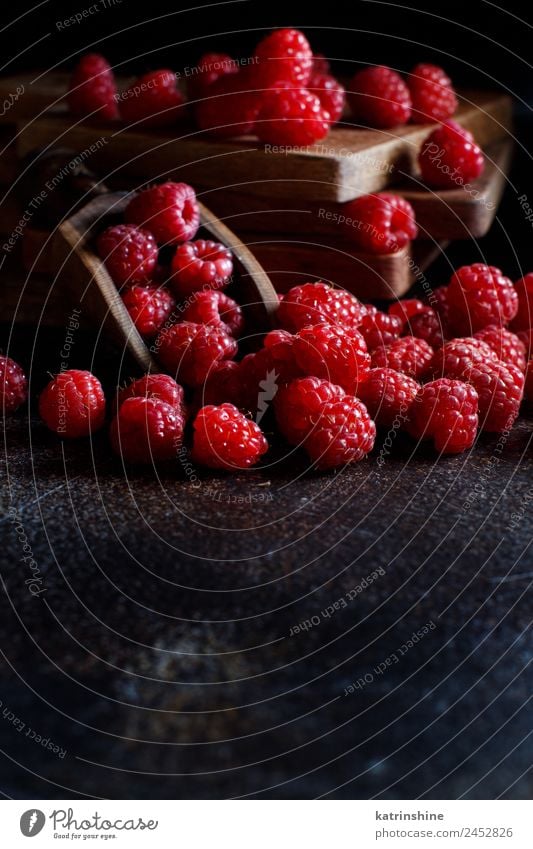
column 333, row 373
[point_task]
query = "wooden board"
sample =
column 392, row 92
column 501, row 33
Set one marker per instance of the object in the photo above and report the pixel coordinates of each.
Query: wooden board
column 349, row 162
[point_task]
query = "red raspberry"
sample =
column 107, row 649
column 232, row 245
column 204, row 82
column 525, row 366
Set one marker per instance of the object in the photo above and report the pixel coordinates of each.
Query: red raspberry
column 223, row 383
column 200, row 265
column 506, row 345
column 230, row 106
column 500, row 389
column 379, row 329
column 13, row 385
column 153, row 100
column 149, row 308
column 447, row 412
column 432, row 94
column 344, row 434
column 160, row 386
column 333, row 353
column 449, row 157
column 330, row 93
column 388, row 395
column 130, row 255
column 211, row 307
column 458, row 354
column 409, row 355
column 190, row 350
column 225, row 439
column 528, row 387
column 210, row 68
column 73, row 404
column 291, row 116
column 523, row 319
column 406, row 309
column 284, row 55
column 261, row 373
column 92, row 89
column 380, row 223
column 526, row 337
column 379, row 97
column 426, row 325
column 299, row 404
column 169, row 210
column 480, row 295
column 439, row 301
column 320, row 64
column 147, row 430
column 318, row 303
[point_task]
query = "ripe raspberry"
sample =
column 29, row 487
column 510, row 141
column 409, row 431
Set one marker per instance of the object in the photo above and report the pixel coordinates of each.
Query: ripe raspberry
column 523, row 319
column 190, row 350
column 330, row 93
column 210, row 68
column 426, row 325
column 408, row 355
column 406, row 309
column 500, row 389
column 230, row 106
column 153, row 100
column 447, row 412
column 130, row 254
column 379, row 97
column 439, row 301
column 200, row 265
column 506, row 345
column 380, row 223
column 320, row 64
column 449, row 157
column 284, row 55
column 13, row 385
column 432, row 94
column 147, row 430
column 92, row 89
column 388, row 395
column 318, row 303
column 291, row 116
column 169, row 210
column 211, row 307
column 149, row 308
column 225, row 439
column 222, row 384
column 261, row 373
column 344, row 434
column 333, row 353
column 73, row 404
column 528, row 387
column 480, row 295
column 160, row 386
column 457, row 355
column 526, row 337
column 379, row 329
column 299, row 404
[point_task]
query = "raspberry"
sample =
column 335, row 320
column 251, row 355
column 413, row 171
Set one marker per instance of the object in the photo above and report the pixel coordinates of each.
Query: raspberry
column 457, row 355
column 73, row 404
column 13, row 385
column 388, row 395
column 230, row 106
column 291, row 116
column 439, row 301
column 449, row 157
column 160, row 386
column 406, row 309
column 426, row 325
column 330, row 93
column 210, row 68
column 212, row 307
column 92, row 89
column 320, row 64
column 344, row 434
column 333, row 353
column 261, row 373
column 299, row 404
column 528, row 387
column 480, row 295
column 523, row 319
column 147, row 430
column 199, row 265
column 154, row 100
column 149, row 308
column 318, row 303
column 379, row 329
column 526, row 337
column 500, row 390
column 190, row 350
column 130, row 255
column 408, row 355
column 225, row 439
column 223, row 383
column 506, row 345
column 169, row 210
column 380, row 223
column 432, row 94
column 447, row 412
column 284, row 55
column 379, row 97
